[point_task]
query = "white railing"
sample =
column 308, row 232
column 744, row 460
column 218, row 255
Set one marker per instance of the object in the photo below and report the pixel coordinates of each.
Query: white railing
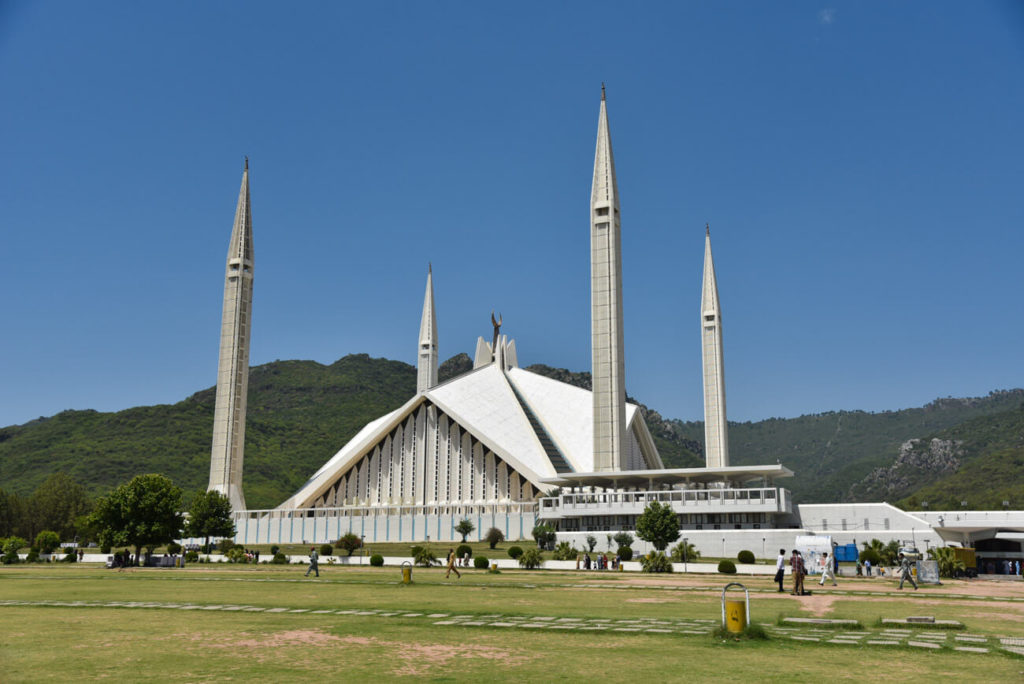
column 775, row 499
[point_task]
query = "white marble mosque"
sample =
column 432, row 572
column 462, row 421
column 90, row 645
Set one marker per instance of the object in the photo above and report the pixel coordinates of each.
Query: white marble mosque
column 508, row 448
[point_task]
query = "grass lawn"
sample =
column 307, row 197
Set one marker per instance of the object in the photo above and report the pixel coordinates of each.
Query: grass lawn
column 239, row 637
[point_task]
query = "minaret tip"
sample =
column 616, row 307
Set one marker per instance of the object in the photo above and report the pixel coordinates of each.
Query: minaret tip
column 430, row 268
column 602, row 92
column 246, row 162
column 707, row 229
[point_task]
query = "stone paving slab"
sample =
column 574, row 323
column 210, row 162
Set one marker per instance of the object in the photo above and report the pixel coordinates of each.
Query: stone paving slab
column 923, row 644
column 882, row 642
column 971, row 649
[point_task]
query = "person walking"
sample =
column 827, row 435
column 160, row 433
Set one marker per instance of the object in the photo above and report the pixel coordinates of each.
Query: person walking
column 867, row 567
column 314, row 566
column 905, row 572
column 780, row 569
column 826, row 570
column 796, row 562
column 452, row 558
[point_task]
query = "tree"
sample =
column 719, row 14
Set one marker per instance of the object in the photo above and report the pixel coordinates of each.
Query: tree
column 623, row 539
column 544, row 535
column 949, row 564
column 209, row 515
column 531, row 559
column 591, row 542
column 464, row 527
column 350, row 542
column 12, row 514
column 494, row 536
column 56, row 504
column 658, row 525
column 47, row 541
column 143, row 511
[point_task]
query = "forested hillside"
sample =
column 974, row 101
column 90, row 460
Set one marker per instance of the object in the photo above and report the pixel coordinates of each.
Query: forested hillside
column 302, row 412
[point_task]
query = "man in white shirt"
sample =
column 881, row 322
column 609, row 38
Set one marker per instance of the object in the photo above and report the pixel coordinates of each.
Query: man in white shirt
column 826, row 570
column 780, row 568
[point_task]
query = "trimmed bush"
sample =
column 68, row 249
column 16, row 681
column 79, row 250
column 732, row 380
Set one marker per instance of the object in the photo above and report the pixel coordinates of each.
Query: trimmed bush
column 746, row 557
column 33, row 555
column 191, row 556
column 326, row 550
column 727, row 567
column 349, row 542
column 623, row 539
column 625, row 553
column 531, row 559
column 514, row 552
column 376, row 560
column 494, row 537
column 279, row 559
column 481, row 563
column 274, row 548
column 226, row 545
column 174, row 548
column 71, row 555
column 462, row 550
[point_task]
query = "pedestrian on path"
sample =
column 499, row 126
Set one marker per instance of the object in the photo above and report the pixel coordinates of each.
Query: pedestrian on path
column 796, row 562
column 826, row 570
column 905, row 573
column 780, row 569
column 313, row 564
column 451, row 564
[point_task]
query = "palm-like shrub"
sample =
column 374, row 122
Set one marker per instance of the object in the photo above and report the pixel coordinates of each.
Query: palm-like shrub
column 949, row 564
column 692, row 554
column 424, row 556
column 564, row 551
column 656, row 561
column 531, row 559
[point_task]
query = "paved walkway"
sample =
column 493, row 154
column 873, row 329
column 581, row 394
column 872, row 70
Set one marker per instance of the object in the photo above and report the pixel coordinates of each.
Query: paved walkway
column 938, row 640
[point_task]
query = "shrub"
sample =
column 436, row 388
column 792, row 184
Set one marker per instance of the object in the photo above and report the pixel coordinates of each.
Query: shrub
column 191, row 556
column 656, row 561
column 174, row 548
column 33, row 555
column 415, row 551
column 47, row 541
column 691, row 554
column 376, row 560
column 623, row 539
column 481, row 563
column 564, row 551
column 236, row 554
column 746, row 557
column 871, row 555
column 225, row 545
column 71, row 555
column 326, row 550
column 11, row 548
column 544, row 535
column 349, row 542
column 279, row 559
column 531, row 559
column 494, row 537
column 274, row 548
column 425, row 557
column 726, row 567
column 462, row 550
column 514, row 552
column 104, row 548
column 625, row 553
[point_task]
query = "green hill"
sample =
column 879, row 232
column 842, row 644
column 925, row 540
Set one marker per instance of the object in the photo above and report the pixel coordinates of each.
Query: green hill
column 302, row 412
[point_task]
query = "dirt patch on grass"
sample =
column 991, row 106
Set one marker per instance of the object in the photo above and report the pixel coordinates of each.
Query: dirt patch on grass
column 408, row 659
column 817, row 604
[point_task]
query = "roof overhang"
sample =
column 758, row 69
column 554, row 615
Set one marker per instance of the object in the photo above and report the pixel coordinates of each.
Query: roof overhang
column 653, row 479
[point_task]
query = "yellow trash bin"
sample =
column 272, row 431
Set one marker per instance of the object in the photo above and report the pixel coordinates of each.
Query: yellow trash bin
column 406, row 572
column 735, row 612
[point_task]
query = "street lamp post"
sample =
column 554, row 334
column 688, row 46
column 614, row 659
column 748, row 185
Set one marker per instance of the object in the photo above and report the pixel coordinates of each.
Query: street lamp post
column 686, row 544
column 362, row 548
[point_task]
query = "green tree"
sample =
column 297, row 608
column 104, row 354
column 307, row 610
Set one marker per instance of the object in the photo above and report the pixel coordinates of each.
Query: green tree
column 658, row 525
column 56, row 504
column 146, row 510
column 209, row 515
column 591, row 542
column 12, row 514
column 47, row 541
column 544, row 535
column 494, row 537
column 685, row 551
column 349, row 542
column 949, row 564
column 464, row 527
column 564, row 551
column 623, row 539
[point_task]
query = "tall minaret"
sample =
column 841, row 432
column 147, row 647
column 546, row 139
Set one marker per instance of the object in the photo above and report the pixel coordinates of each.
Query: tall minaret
column 426, row 365
column 609, row 374
column 233, row 369
column 716, row 436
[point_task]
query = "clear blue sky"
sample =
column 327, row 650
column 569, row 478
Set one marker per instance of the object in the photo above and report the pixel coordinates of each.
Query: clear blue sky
column 861, row 165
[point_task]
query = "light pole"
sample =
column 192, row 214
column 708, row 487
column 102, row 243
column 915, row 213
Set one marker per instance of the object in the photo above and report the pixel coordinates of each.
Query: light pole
column 362, row 547
column 686, row 545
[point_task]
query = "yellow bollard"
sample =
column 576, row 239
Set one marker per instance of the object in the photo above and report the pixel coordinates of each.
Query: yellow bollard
column 494, row 567
column 406, row 572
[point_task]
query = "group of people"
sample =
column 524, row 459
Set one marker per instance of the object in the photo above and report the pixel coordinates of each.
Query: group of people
column 599, row 562
column 799, row 570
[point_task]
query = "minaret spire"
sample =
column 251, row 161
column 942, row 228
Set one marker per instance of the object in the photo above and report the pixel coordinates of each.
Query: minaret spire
column 426, row 364
column 233, row 368
column 608, row 349
column 716, row 436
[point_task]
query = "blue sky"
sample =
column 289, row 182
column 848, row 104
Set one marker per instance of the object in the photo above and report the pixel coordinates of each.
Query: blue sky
column 861, row 165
